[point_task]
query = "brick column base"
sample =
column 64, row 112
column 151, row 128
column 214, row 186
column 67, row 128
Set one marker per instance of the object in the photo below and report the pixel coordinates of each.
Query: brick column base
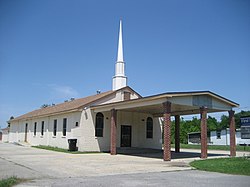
column 167, row 131
column 232, row 133
column 113, row 132
column 203, row 111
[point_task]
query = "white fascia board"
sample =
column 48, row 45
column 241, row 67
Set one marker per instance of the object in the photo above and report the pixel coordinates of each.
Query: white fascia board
column 128, row 105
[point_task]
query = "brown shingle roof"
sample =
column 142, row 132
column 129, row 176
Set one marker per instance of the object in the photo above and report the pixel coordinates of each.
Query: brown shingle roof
column 64, row 107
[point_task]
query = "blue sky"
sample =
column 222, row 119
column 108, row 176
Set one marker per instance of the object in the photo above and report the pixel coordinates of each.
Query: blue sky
column 51, row 51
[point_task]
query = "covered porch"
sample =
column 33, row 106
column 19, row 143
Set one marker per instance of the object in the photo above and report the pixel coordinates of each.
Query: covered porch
column 158, row 153
column 174, row 104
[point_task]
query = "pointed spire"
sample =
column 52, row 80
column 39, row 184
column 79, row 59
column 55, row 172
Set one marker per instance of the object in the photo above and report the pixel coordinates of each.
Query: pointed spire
column 120, row 46
column 119, row 80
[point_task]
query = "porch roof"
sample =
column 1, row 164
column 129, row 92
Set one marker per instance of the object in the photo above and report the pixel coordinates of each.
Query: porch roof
column 183, row 103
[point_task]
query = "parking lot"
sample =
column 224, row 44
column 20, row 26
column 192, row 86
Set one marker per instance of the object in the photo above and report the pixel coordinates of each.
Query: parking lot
column 27, row 162
column 47, row 167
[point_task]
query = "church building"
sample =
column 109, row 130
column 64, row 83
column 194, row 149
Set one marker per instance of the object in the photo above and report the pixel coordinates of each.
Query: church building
column 120, row 117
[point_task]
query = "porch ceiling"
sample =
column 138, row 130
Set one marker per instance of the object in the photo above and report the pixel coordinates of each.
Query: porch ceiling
column 176, row 109
column 157, row 110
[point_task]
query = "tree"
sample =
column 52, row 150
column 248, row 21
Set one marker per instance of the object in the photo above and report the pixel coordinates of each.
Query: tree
column 212, row 124
column 224, row 122
column 185, row 128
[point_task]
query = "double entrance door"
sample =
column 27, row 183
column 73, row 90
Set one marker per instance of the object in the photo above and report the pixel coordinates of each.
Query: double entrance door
column 126, row 136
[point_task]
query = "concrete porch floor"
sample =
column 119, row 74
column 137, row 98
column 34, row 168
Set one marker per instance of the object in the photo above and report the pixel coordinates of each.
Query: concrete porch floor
column 157, row 153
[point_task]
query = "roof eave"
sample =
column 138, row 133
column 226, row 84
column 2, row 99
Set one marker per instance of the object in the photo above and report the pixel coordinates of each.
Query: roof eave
column 45, row 115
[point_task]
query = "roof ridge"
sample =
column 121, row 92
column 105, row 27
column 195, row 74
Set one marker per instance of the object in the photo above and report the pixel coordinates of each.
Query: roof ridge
column 79, row 99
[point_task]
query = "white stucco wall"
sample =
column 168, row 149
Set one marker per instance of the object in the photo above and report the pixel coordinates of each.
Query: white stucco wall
column 86, row 133
column 5, row 136
column 14, row 132
column 17, row 130
column 137, row 121
column 88, row 141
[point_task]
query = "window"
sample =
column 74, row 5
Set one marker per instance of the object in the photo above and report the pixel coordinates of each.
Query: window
column 126, row 96
column 42, row 128
column 26, row 132
column 149, row 127
column 55, row 127
column 99, row 125
column 35, row 129
column 64, row 126
column 218, row 134
column 77, row 124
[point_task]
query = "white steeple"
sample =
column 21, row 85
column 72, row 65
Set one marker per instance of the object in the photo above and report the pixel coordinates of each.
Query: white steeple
column 120, row 47
column 119, row 80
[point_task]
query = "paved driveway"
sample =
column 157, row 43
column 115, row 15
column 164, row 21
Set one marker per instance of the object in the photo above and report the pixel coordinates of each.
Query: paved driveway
column 48, row 168
column 187, row 178
column 27, row 162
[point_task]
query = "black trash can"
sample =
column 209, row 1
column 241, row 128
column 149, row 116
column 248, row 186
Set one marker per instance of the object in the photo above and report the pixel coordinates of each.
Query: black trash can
column 72, row 144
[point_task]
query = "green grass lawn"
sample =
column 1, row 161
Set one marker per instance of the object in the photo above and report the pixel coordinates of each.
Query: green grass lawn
column 61, row 149
column 214, row 147
column 238, row 166
column 11, row 181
